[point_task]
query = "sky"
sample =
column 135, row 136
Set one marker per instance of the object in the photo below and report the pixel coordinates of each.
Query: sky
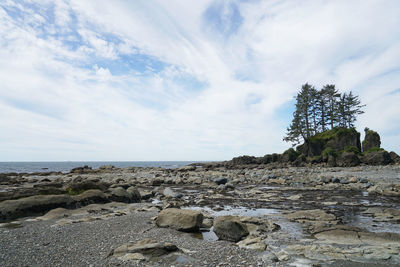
column 185, row 80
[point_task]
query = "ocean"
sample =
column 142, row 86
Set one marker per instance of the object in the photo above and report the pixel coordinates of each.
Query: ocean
column 66, row 166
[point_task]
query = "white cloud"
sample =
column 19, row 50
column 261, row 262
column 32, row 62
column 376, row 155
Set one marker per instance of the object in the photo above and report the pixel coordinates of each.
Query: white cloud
column 54, row 102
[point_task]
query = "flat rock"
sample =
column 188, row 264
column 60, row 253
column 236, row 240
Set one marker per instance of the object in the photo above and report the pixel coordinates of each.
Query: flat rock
column 181, row 220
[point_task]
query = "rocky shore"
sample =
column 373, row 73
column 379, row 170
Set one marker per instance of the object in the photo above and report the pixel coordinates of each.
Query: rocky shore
column 202, row 215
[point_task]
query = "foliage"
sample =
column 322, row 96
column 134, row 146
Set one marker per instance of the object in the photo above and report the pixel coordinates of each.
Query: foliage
column 329, row 152
column 74, row 193
column 374, row 149
column 352, row 149
column 292, row 154
column 316, row 110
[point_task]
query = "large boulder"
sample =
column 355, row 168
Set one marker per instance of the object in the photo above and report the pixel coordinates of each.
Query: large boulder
column 181, row 220
column 230, row 228
column 377, row 158
column 371, row 140
column 348, row 159
column 337, row 139
column 12, row 209
column 89, row 197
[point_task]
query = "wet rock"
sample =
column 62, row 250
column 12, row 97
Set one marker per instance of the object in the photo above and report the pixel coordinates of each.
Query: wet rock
column 230, row 228
column 220, row 181
column 168, row 192
column 144, row 250
column 181, row 220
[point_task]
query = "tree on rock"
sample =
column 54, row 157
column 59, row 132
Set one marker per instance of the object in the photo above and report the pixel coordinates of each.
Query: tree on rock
column 316, row 110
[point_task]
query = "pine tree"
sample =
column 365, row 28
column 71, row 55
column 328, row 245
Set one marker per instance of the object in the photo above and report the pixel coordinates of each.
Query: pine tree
column 331, row 94
column 316, row 109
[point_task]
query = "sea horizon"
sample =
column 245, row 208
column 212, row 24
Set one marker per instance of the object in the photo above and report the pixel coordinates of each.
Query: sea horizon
column 66, row 166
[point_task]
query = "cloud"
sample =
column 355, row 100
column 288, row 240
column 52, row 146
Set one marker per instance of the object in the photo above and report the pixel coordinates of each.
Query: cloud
column 180, row 80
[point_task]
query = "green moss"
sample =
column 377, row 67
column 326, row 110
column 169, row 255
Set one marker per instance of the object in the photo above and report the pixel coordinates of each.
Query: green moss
column 352, row 149
column 329, row 152
column 74, row 193
column 330, row 134
column 293, row 154
column 374, row 149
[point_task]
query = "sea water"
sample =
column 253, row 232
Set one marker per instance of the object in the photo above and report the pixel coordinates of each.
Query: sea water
column 66, row 166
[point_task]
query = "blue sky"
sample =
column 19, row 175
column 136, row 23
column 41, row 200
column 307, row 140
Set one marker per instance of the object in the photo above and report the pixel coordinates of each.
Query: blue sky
column 185, row 80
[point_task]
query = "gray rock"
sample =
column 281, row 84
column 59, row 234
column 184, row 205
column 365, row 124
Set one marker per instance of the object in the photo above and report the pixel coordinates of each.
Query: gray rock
column 230, row 228
column 181, row 220
column 168, row 192
column 377, row 158
column 119, row 194
column 12, row 209
column 144, row 249
column 220, row 181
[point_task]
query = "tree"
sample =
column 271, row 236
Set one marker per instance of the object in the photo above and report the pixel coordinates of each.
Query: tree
column 301, row 127
column 331, row 94
column 316, row 109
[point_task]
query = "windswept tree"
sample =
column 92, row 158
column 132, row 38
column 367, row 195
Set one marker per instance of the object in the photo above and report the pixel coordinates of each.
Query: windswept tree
column 316, row 110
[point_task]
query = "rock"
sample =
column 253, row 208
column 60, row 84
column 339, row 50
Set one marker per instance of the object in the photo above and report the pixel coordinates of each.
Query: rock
column 230, row 228
column 335, row 180
column 186, row 168
column 181, row 220
column 348, row 159
column 395, row 158
column 90, row 197
column 207, row 223
column 82, row 170
column 119, row 194
column 168, row 192
column 371, row 140
column 107, row 167
column 253, row 243
column 79, row 184
column 12, row 209
column 144, row 250
column 134, row 194
column 220, row 181
column 377, row 158
column 311, row 215
column 57, row 213
column 337, row 139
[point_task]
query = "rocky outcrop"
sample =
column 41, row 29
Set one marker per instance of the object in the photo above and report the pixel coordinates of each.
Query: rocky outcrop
column 181, row 220
column 394, row 157
column 230, row 228
column 377, row 158
column 371, row 140
column 12, row 209
column 348, row 159
column 337, row 139
column 39, row 204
